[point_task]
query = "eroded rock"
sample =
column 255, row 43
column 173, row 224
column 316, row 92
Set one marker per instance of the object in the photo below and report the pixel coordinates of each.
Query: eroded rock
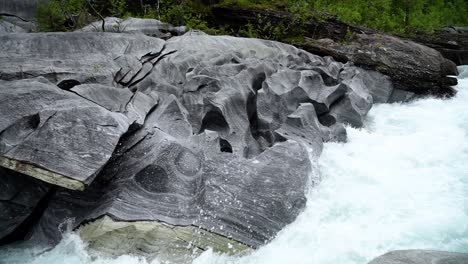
column 421, row 257
column 58, row 136
column 19, row 198
column 411, row 66
column 150, row 27
column 210, row 133
column 69, row 59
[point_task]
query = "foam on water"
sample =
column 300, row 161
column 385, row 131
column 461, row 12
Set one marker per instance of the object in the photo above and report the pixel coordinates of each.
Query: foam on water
column 401, row 182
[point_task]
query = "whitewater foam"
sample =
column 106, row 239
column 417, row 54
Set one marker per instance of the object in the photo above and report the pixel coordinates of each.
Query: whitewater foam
column 401, row 182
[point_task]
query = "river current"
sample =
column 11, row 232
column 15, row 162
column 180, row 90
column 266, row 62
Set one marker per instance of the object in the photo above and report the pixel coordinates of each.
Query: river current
column 400, row 182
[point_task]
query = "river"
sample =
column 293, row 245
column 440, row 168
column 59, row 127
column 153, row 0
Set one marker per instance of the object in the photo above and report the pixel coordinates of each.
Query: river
column 401, row 182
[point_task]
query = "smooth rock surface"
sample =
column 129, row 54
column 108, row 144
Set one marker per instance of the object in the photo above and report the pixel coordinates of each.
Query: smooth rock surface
column 7, row 27
column 21, row 14
column 150, row 27
column 55, row 135
column 421, row 257
column 68, row 59
column 207, row 132
column 411, row 66
column 154, row 240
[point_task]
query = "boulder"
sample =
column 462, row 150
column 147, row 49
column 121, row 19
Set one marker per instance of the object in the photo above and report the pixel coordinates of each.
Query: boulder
column 195, row 142
column 452, row 42
column 25, row 9
column 411, row 66
column 19, row 13
column 62, row 137
column 161, row 184
column 20, row 197
column 421, row 257
column 68, row 59
column 150, row 27
column 7, row 27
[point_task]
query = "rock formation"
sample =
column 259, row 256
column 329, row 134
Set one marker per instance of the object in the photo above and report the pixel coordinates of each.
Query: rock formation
column 411, row 66
column 421, row 257
column 20, row 198
column 18, row 15
column 149, row 27
column 414, row 68
column 192, row 142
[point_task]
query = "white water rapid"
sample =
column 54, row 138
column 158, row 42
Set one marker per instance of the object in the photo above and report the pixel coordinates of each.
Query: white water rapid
column 401, row 182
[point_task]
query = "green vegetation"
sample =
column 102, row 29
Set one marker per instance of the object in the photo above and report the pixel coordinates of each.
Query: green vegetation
column 393, row 16
column 398, row 16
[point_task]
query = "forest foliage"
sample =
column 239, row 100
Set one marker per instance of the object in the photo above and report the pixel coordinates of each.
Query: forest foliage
column 392, row 16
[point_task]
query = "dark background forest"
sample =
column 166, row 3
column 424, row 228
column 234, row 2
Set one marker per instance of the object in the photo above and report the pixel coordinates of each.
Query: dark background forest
column 391, row 16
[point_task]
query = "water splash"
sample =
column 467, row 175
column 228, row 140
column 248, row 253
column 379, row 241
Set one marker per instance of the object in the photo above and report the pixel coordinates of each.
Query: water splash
column 401, row 182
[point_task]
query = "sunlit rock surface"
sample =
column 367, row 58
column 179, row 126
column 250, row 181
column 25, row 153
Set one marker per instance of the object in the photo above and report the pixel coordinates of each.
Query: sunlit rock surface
column 198, row 134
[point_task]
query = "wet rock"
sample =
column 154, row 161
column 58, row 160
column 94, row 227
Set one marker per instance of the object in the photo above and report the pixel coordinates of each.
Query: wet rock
column 154, row 240
column 421, row 257
column 19, row 198
column 211, row 137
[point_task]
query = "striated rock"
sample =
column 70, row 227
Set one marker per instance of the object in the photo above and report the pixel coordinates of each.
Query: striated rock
column 421, row 257
column 411, row 66
column 452, row 42
column 68, row 59
column 154, row 240
column 19, row 198
column 150, row 27
column 157, row 177
column 207, row 145
column 58, row 136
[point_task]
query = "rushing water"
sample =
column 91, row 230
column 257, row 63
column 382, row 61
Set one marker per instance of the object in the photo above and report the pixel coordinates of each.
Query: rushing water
column 400, row 182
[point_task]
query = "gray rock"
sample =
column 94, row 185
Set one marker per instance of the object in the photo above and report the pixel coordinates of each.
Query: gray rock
column 214, row 133
column 19, row 197
column 150, row 27
column 401, row 96
column 26, row 9
column 156, row 177
column 19, row 13
column 411, row 66
column 421, row 257
column 58, row 136
column 68, row 59
column 7, row 27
